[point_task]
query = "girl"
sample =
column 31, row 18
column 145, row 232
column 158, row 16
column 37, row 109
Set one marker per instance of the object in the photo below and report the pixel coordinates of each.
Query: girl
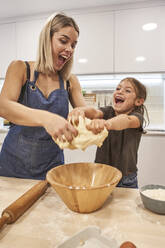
column 124, row 120
column 35, row 99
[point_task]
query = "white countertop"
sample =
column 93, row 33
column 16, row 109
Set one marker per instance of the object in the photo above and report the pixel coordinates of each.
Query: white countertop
column 49, row 222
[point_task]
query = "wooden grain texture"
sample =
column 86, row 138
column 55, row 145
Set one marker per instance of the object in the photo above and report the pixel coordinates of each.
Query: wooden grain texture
column 84, row 187
column 3, row 220
column 17, row 208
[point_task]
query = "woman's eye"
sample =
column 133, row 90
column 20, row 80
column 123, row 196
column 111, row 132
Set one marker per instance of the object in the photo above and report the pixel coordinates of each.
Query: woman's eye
column 128, row 91
column 63, row 41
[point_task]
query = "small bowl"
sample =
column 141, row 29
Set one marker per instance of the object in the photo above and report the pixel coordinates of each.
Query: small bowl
column 84, row 187
column 156, row 206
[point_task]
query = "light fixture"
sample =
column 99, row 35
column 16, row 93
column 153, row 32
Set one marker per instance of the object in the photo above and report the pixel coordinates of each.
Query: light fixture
column 82, row 60
column 149, row 26
column 140, row 58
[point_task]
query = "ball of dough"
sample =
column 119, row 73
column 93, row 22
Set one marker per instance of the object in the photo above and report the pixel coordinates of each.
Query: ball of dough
column 84, row 138
column 127, row 244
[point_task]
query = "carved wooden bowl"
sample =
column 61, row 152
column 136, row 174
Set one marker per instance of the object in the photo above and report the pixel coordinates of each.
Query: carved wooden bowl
column 84, row 187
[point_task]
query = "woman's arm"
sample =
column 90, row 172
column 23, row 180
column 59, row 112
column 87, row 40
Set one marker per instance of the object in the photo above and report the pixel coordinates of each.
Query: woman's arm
column 19, row 114
column 76, row 96
column 79, row 104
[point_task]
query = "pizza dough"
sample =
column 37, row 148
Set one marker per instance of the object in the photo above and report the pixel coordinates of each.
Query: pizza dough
column 84, row 138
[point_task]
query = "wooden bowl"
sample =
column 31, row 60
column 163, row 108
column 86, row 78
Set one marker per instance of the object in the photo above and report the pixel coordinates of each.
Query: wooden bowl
column 84, row 187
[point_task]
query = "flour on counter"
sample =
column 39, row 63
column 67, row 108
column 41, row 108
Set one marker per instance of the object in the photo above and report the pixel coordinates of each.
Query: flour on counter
column 157, row 194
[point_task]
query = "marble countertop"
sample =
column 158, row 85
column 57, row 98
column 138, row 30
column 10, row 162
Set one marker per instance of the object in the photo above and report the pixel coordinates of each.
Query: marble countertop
column 49, row 222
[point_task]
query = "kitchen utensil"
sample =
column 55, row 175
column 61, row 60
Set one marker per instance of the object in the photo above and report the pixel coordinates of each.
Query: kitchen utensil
column 84, row 187
column 153, row 205
column 17, row 208
column 87, row 238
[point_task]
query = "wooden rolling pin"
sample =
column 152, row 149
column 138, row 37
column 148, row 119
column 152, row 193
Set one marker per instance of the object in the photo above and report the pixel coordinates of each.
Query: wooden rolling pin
column 17, row 208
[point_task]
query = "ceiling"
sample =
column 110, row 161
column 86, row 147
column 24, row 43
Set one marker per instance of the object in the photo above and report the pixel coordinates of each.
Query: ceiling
column 19, row 8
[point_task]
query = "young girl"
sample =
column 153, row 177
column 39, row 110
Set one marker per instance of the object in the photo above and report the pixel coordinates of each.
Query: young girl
column 124, row 120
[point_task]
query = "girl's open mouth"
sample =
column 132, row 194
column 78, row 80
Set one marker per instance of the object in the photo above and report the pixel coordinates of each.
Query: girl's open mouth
column 119, row 100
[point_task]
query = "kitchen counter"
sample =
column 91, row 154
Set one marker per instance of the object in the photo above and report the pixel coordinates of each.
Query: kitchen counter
column 49, row 222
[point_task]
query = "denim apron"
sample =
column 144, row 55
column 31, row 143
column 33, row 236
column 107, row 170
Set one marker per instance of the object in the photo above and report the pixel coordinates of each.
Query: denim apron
column 29, row 152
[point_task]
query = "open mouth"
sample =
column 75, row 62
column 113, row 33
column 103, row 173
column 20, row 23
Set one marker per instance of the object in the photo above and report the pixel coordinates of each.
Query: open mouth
column 119, row 100
column 62, row 59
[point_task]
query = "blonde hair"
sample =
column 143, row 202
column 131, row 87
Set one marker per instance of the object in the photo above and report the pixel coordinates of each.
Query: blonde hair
column 44, row 62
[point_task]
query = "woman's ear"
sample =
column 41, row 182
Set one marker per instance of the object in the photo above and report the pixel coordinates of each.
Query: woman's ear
column 139, row 101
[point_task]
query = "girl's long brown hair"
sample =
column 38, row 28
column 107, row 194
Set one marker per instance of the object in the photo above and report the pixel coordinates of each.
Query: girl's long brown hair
column 141, row 92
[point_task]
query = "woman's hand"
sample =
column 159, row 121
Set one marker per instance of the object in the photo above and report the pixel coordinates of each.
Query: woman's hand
column 73, row 116
column 60, row 128
column 96, row 125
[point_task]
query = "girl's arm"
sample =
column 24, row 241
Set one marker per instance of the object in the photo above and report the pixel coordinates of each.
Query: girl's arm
column 119, row 122
column 122, row 121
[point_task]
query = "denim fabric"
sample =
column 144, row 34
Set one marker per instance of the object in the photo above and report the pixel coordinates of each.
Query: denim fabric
column 129, row 181
column 29, row 152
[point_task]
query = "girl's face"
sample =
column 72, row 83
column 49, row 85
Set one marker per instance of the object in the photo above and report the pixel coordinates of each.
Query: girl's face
column 125, row 99
column 63, row 44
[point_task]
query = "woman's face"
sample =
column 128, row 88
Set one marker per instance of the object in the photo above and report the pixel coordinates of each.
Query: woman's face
column 124, row 98
column 63, row 44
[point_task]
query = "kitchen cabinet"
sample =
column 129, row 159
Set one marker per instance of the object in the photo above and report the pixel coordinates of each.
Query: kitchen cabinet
column 151, row 169
column 95, row 44
column 7, row 46
column 76, row 156
column 109, row 41
column 27, row 38
column 132, row 41
column 49, row 221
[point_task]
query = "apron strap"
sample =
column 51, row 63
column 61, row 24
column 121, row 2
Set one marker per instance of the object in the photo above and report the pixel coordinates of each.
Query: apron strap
column 27, row 70
column 36, row 73
column 61, row 81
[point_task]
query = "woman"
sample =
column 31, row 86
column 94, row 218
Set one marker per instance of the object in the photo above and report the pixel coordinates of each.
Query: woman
column 34, row 99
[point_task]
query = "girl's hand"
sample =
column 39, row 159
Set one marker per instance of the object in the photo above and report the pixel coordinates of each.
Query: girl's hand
column 60, row 128
column 96, row 125
column 73, row 116
column 108, row 124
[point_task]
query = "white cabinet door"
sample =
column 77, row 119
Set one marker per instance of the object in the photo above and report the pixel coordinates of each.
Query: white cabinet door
column 131, row 41
column 27, row 37
column 7, row 46
column 95, row 43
